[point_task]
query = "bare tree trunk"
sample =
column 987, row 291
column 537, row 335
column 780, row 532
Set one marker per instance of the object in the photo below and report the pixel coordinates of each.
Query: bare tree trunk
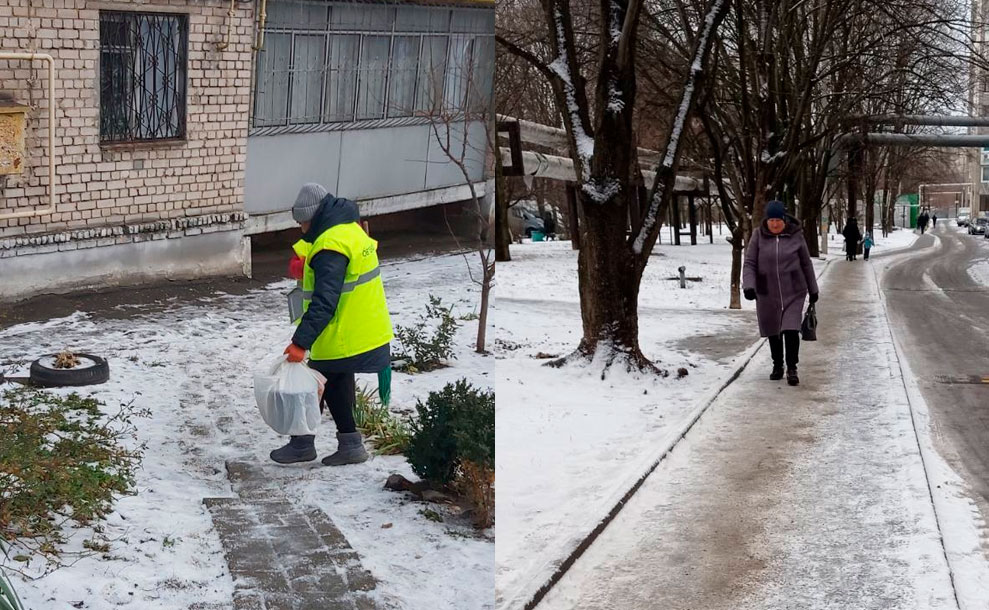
column 482, row 330
column 609, row 284
column 503, row 236
column 737, row 251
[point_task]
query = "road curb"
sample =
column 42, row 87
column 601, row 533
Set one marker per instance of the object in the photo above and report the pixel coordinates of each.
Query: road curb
column 668, row 446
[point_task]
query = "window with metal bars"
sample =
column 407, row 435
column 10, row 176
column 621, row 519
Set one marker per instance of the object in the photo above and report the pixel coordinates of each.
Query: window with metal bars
column 142, row 76
column 325, row 63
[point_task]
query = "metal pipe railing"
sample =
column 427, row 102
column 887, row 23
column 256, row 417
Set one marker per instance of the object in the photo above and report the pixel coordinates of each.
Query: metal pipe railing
column 51, row 132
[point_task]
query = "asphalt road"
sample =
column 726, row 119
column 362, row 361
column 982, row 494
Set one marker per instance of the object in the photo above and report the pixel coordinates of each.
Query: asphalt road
column 941, row 315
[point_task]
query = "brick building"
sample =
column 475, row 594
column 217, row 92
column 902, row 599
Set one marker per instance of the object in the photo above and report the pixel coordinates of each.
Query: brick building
column 184, row 127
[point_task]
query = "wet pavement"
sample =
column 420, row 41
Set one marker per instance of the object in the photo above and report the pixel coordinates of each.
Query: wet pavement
column 941, row 315
column 282, row 555
column 813, row 497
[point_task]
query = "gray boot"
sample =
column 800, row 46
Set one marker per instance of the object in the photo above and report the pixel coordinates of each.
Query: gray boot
column 350, row 450
column 298, row 449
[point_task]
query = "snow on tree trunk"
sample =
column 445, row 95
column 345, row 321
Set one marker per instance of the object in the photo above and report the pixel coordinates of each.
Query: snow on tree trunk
column 662, row 189
column 609, row 289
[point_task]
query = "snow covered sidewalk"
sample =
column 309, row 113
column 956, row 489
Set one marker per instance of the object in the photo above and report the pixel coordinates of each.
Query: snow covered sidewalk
column 191, row 365
column 570, row 443
column 811, row 497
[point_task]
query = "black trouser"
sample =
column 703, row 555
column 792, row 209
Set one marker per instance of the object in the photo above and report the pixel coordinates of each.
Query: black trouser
column 866, row 250
column 792, row 340
column 339, row 397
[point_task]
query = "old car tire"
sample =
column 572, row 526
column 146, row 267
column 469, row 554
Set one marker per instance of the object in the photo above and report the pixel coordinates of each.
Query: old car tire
column 48, row 377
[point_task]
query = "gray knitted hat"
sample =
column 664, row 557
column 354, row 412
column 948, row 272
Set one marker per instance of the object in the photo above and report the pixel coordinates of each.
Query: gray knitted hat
column 307, row 202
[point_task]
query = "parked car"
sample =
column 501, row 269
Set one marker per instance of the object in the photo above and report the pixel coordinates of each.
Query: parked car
column 523, row 222
column 978, row 226
column 964, row 216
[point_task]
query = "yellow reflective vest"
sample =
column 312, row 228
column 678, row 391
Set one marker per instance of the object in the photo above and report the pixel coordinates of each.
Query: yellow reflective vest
column 361, row 322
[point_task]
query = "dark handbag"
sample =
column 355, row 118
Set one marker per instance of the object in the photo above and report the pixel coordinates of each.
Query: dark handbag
column 808, row 330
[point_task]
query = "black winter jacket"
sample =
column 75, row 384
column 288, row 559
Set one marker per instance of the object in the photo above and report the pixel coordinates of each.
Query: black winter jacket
column 330, row 268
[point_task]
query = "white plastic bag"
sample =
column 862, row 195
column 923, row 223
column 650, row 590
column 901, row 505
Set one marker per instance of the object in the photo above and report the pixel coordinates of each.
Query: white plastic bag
column 288, row 395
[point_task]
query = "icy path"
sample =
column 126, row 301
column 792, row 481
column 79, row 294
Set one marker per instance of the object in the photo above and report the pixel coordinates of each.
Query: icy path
column 810, row 497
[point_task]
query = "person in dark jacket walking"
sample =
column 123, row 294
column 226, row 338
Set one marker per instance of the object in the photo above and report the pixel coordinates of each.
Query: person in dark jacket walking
column 933, row 221
column 346, row 327
column 852, row 237
column 549, row 225
column 779, row 275
column 922, row 221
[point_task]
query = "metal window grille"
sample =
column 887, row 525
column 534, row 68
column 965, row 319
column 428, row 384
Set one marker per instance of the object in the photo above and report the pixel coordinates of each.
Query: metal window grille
column 142, row 76
column 326, row 65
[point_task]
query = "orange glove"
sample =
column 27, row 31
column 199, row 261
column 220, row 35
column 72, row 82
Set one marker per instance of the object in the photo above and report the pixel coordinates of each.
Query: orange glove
column 296, row 267
column 295, row 353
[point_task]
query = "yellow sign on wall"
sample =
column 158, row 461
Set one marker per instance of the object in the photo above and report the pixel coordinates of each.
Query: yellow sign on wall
column 12, row 138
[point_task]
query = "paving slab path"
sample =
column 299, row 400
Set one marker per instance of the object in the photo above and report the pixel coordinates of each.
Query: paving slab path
column 283, row 555
column 785, row 498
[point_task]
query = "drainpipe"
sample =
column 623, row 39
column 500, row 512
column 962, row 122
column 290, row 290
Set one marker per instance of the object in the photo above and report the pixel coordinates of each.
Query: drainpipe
column 259, row 22
column 262, row 19
column 230, row 25
column 51, row 133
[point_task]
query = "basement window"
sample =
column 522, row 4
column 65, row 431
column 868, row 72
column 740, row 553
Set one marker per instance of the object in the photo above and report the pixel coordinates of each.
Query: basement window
column 142, row 76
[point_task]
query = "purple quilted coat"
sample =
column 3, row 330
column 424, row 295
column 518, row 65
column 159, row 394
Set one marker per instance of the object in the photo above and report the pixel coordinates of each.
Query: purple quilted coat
column 778, row 267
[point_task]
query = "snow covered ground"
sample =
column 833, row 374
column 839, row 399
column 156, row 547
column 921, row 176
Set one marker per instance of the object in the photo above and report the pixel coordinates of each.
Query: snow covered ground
column 569, row 443
column 192, row 366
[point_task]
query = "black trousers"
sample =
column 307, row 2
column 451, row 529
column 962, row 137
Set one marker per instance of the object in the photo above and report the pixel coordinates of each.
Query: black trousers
column 792, row 340
column 866, row 250
column 339, row 397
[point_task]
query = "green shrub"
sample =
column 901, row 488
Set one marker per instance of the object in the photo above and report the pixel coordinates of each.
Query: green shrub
column 453, row 445
column 61, row 459
column 425, row 345
column 388, row 434
column 455, row 424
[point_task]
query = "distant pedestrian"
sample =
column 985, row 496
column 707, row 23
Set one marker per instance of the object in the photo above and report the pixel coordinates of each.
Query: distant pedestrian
column 922, row 221
column 549, row 225
column 778, row 276
column 933, row 221
column 867, row 244
column 852, row 237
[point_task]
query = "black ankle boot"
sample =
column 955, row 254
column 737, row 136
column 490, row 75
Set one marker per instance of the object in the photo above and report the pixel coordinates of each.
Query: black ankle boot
column 298, row 449
column 777, row 373
column 791, row 376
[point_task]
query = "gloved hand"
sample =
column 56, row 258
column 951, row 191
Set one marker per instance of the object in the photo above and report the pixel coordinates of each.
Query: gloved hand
column 296, row 267
column 295, row 353
column 749, row 294
column 814, row 296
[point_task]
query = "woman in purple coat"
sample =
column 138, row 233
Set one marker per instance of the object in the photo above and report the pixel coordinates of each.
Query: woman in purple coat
column 778, row 276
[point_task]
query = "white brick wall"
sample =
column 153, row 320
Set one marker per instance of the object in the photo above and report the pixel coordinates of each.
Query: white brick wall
column 98, row 185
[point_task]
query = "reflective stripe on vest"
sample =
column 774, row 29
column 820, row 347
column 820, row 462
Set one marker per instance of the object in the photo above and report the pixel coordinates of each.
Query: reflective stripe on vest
column 349, row 286
column 364, row 278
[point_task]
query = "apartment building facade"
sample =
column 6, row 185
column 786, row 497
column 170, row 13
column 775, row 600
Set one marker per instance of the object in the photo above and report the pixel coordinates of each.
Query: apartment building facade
column 148, row 139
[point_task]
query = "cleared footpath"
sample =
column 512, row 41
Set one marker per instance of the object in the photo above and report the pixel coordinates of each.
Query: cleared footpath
column 779, row 497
